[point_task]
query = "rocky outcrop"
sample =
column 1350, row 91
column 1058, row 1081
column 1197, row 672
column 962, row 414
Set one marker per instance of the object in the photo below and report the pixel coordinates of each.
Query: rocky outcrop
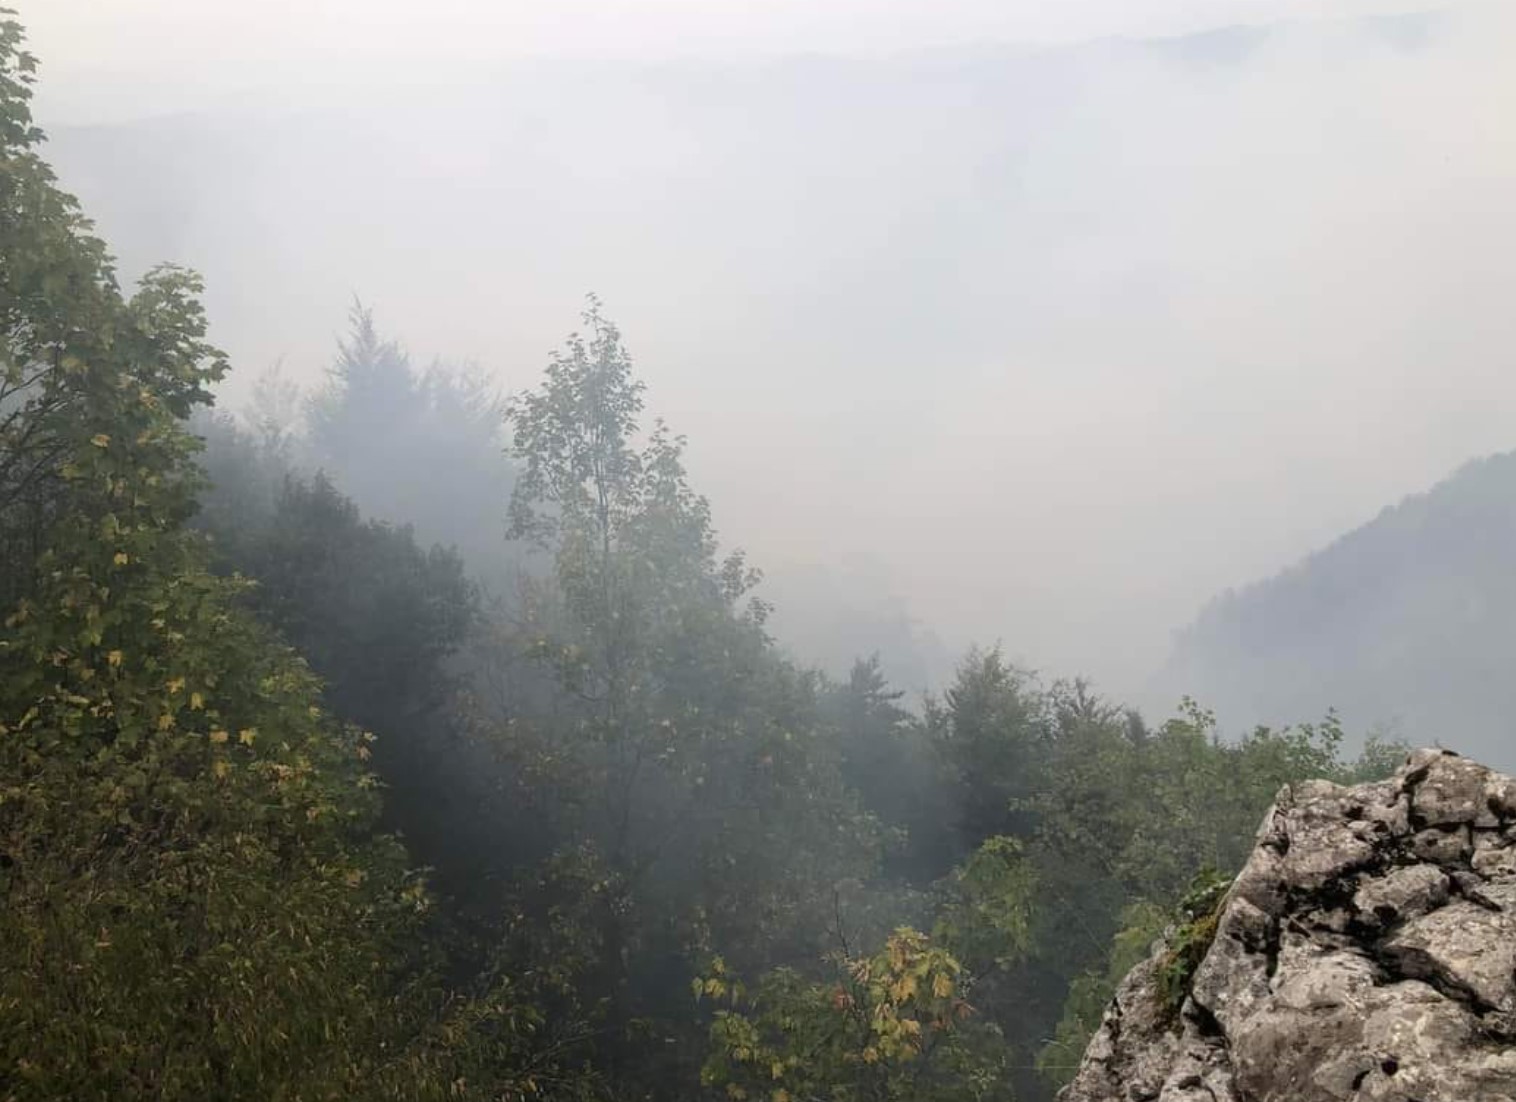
column 1365, row 953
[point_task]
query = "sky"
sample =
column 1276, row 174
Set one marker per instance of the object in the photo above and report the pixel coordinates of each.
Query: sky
column 111, row 58
column 1045, row 345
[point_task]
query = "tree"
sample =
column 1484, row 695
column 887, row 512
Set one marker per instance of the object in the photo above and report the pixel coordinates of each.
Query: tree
column 895, row 1025
column 374, row 613
column 195, row 900
column 416, row 447
column 888, row 757
column 379, row 619
column 702, row 779
column 991, row 730
column 58, row 303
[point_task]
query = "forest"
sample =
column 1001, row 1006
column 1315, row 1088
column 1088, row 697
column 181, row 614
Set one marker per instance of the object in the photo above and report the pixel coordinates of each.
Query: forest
column 408, row 740
column 1398, row 623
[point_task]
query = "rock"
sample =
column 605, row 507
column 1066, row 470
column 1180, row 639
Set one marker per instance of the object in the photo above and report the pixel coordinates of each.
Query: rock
column 1261, row 881
column 1452, row 789
column 1402, row 894
column 1322, row 841
column 1493, row 856
column 1365, row 953
column 1446, row 847
column 1234, row 977
column 1206, row 1077
column 1500, row 796
column 1306, row 1041
column 1465, row 948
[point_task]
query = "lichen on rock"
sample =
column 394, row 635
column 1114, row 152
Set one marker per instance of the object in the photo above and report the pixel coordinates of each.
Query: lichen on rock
column 1365, row 953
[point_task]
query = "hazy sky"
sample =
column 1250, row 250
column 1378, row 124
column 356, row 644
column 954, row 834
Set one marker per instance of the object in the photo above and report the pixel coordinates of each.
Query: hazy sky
column 1065, row 342
column 114, row 57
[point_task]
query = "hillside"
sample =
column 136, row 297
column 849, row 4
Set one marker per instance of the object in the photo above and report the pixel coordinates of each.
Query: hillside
column 1408, row 622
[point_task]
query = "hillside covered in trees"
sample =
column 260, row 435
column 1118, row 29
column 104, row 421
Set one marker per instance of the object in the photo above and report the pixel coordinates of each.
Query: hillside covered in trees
column 1403, row 624
column 409, row 741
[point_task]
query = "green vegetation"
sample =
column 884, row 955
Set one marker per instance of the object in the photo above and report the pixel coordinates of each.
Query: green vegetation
column 295, row 806
column 1196, row 918
column 892, row 1025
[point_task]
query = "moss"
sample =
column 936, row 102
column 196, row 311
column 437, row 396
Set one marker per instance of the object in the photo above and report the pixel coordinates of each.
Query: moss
column 1199, row 914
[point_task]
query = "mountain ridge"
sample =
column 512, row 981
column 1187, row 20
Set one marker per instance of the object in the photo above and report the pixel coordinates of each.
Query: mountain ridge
column 1407, row 610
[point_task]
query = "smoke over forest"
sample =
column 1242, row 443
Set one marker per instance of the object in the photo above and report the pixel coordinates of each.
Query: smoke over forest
column 1045, row 346
column 714, row 573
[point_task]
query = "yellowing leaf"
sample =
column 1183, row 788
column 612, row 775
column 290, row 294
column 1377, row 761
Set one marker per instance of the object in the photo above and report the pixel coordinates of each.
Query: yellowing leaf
column 113, row 659
column 196, row 702
column 247, row 735
column 175, row 685
column 100, row 440
column 218, row 736
column 221, row 768
column 942, row 986
column 122, row 558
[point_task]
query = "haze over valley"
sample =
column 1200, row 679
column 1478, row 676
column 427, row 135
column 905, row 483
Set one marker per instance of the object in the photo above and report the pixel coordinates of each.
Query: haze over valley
column 1046, row 344
column 674, row 551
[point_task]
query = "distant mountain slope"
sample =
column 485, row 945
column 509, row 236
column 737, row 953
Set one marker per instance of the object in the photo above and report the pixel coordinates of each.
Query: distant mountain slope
column 1408, row 622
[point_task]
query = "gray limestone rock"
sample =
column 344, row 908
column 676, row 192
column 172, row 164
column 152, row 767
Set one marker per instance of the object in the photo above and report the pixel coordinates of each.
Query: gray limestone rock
column 1494, row 856
column 1445, row 847
column 1402, row 894
column 1465, row 948
column 1365, row 953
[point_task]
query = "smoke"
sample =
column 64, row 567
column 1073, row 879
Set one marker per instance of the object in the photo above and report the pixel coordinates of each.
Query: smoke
column 1061, row 340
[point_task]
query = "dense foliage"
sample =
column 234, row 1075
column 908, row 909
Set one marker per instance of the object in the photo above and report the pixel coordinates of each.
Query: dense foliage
column 294, row 805
column 196, row 901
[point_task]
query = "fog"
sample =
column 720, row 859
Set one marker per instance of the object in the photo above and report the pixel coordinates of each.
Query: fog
column 747, row 552
column 1026, row 325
